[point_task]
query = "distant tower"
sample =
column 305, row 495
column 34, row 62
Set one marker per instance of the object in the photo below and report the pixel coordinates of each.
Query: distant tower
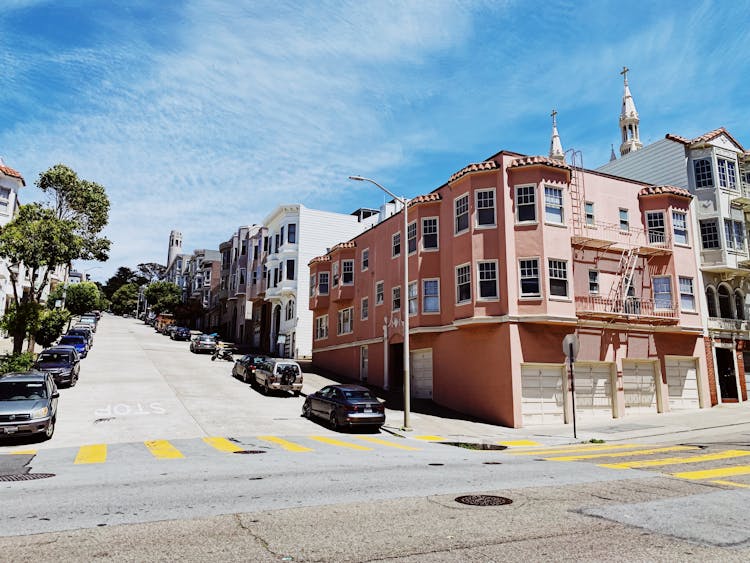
column 629, row 121
column 175, row 246
column 555, row 146
column 612, row 155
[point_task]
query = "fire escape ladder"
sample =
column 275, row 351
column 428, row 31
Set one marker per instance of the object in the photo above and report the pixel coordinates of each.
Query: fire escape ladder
column 577, row 191
column 624, row 278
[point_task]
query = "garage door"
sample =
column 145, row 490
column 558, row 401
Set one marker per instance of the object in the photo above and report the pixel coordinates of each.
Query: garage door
column 593, row 389
column 542, row 399
column 421, row 374
column 682, row 383
column 639, row 386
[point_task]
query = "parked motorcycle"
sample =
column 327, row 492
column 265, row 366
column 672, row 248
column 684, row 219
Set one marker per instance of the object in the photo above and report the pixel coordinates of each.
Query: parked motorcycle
column 223, row 352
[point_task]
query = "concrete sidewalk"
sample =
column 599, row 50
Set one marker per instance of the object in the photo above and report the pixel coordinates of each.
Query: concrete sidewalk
column 429, row 419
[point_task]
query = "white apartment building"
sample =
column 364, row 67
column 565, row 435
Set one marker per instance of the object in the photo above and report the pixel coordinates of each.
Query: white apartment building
column 296, row 235
column 11, row 182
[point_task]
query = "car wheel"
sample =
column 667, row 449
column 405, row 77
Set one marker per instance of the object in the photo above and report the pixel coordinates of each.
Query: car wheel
column 264, row 388
column 50, row 430
column 334, row 420
column 295, row 393
column 306, row 412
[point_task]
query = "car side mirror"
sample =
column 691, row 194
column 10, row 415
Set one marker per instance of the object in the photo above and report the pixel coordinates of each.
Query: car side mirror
column 56, row 394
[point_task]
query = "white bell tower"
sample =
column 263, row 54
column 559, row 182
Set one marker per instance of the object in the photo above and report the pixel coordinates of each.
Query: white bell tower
column 175, row 246
column 629, row 122
column 555, row 146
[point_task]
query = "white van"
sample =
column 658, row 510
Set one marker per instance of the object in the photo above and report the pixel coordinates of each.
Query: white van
column 278, row 374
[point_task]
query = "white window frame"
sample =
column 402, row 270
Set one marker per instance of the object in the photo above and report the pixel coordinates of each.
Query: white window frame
column 425, row 296
column 349, row 263
column 553, row 269
column 624, row 220
column 556, row 205
column 335, row 276
column 393, row 244
column 379, row 285
column 683, row 230
column 594, row 281
column 5, row 200
column 495, row 297
column 521, row 277
column 590, row 218
column 365, row 308
column 321, row 327
column 328, row 282
column 708, row 236
column 313, row 283
column 671, row 294
column 437, row 234
column 650, row 220
column 365, row 259
column 342, row 321
column 465, row 212
column 704, row 179
column 409, row 227
column 533, row 204
column 413, row 299
column 726, row 171
column 687, row 294
column 466, row 270
column 478, row 207
column 394, row 290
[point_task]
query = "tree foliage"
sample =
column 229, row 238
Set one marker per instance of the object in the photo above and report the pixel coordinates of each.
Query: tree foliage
column 187, row 314
column 163, row 296
column 125, row 299
column 51, row 325
column 82, row 297
column 122, row 276
column 152, row 271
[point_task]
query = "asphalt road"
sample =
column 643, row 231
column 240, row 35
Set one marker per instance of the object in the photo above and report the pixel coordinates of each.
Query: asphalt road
column 199, row 466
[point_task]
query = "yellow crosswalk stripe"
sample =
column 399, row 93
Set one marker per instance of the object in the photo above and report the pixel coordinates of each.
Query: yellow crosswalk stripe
column 95, row 453
column 222, row 444
column 430, row 438
column 21, row 452
column 712, row 473
column 162, row 449
column 519, row 443
column 386, row 443
column 623, row 454
column 287, row 445
column 728, row 454
column 339, row 443
column 732, row 484
column 579, row 448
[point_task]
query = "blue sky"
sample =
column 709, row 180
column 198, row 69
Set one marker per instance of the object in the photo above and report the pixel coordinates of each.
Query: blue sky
column 203, row 115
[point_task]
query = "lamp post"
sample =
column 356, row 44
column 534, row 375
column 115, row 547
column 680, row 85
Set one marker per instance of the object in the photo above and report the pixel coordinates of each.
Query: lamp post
column 404, row 294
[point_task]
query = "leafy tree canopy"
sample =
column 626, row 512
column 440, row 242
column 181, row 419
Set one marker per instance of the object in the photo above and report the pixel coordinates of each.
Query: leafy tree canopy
column 122, row 276
column 51, row 325
column 125, row 299
column 82, row 297
column 163, row 296
column 152, row 271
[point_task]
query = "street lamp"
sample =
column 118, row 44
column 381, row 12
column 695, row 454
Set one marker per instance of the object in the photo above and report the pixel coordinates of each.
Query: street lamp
column 404, row 294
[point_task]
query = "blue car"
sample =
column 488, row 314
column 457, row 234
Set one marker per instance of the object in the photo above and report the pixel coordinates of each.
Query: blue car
column 78, row 342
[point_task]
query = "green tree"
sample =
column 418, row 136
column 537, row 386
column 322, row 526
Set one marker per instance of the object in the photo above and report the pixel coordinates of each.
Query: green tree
column 163, row 296
column 51, row 325
column 82, row 297
column 122, row 276
column 125, row 299
column 152, row 271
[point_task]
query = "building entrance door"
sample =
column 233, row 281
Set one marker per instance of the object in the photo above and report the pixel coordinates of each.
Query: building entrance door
column 726, row 374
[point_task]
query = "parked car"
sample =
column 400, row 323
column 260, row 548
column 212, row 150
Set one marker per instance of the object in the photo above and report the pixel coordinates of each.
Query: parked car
column 194, row 334
column 28, row 404
column 345, row 405
column 79, row 342
column 180, row 333
column 204, row 343
column 168, row 330
column 85, row 331
column 62, row 362
column 90, row 321
column 278, row 374
column 244, row 368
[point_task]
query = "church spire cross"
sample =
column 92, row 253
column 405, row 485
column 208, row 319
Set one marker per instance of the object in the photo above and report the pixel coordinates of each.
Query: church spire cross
column 555, row 146
column 624, row 73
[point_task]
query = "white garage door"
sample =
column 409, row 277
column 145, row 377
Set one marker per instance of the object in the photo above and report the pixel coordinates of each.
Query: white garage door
column 421, row 374
column 682, row 382
column 593, row 389
column 542, row 394
column 639, row 385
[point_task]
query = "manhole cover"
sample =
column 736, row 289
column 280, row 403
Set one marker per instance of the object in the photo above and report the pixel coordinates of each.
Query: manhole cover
column 483, row 500
column 250, row 452
column 26, row 476
column 475, row 446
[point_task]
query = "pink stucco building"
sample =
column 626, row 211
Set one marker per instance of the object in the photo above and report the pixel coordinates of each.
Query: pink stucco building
column 505, row 259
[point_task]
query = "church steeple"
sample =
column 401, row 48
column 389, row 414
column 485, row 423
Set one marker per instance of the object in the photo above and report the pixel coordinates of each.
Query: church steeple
column 629, row 122
column 612, row 155
column 555, row 146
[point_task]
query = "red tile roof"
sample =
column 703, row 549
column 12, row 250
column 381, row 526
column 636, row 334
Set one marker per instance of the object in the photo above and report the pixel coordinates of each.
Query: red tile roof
column 704, row 138
column 428, row 198
column 539, row 161
column 339, row 246
column 317, row 259
column 475, row 167
column 10, row 172
column 664, row 190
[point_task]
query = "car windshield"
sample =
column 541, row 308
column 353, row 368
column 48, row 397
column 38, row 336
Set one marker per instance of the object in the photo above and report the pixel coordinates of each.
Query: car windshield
column 207, row 339
column 71, row 340
column 53, row 358
column 358, row 394
column 22, row 390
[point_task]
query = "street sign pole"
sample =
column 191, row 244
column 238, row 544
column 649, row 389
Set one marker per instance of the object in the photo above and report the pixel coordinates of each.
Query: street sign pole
column 572, row 387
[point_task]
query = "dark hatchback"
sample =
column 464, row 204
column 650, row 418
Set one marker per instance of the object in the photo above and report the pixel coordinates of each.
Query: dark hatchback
column 28, row 404
column 78, row 342
column 345, row 405
column 180, row 333
column 61, row 363
column 244, row 368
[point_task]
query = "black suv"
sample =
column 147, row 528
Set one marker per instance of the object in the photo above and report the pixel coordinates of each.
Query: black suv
column 62, row 363
column 28, row 404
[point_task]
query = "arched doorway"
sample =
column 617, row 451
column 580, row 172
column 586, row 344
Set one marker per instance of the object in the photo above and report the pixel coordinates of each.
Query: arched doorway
column 725, row 302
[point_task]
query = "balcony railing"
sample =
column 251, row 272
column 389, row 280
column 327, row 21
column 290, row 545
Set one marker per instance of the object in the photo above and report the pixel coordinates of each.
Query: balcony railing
column 630, row 308
column 601, row 234
column 728, row 324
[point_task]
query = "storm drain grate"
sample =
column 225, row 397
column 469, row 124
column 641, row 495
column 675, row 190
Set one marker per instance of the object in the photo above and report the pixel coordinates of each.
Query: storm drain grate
column 250, row 451
column 26, row 476
column 483, row 500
